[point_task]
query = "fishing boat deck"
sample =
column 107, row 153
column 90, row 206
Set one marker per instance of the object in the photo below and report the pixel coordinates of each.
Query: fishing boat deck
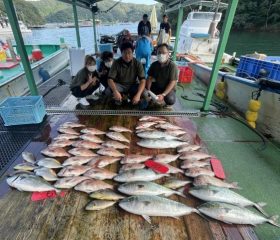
column 257, row 171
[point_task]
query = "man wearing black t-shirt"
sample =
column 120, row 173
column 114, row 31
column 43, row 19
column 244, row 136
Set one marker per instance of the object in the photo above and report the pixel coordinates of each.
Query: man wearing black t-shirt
column 144, row 27
column 164, row 34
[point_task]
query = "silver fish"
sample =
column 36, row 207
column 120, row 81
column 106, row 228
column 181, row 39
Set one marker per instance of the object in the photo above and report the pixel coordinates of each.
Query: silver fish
column 152, row 118
column 86, row 144
column 119, row 129
column 194, row 156
column 204, row 180
column 188, row 148
column 154, row 206
column 130, row 166
column 29, row 183
column 176, row 132
column 138, row 175
column 93, row 131
column 73, row 171
column 46, row 173
column 144, row 130
column 194, row 172
column 28, row 157
column 96, row 205
column 68, row 130
column 61, row 143
column 110, row 152
column 166, row 158
column 156, row 135
column 26, row 166
column 174, row 183
column 92, row 138
column 159, row 143
column 218, row 194
column 117, row 136
column 69, row 182
column 114, row 144
column 49, row 163
column 135, row 158
column 146, row 188
column 55, row 152
column 79, row 160
column 92, row 185
column 168, row 126
column 106, row 194
column 192, row 164
column 82, row 152
column 66, row 137
column 100, row 173
column 229, row 213
column 72, row 125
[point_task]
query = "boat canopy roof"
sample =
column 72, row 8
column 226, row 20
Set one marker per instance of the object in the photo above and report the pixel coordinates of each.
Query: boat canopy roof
column 171, row 5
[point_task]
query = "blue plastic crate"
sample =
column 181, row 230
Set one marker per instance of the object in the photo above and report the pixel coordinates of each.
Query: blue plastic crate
column 252, row 68
column 106, row 47
column 22, row 110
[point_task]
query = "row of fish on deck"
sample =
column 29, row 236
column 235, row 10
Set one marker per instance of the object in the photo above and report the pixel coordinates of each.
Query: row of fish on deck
column 84, row 171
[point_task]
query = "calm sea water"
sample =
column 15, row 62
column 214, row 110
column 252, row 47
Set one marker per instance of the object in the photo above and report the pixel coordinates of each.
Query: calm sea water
column 239, row 42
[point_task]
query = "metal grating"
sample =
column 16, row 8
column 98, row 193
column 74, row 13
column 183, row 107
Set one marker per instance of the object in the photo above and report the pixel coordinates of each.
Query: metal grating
column 11, row 144
column 124, row 112
column 54, row 96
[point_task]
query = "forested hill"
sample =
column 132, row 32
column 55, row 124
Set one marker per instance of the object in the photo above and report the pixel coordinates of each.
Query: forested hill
column 250, row 15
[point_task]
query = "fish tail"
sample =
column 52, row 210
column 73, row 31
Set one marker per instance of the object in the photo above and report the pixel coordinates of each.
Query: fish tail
column 272, row 220
column 180, row 194
column 259, row 206
column 235, row 185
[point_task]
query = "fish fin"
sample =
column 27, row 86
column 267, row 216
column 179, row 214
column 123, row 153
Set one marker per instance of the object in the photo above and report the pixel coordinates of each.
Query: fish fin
column 259, row 206
column 178, row 218
column 203, row 216
column 147, row 218
column 180, row 194
column 272, row 220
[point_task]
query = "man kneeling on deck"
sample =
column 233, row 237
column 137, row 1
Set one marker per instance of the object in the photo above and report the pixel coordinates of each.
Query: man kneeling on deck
column 85, row 82
column 123, row 76
column 162, row 77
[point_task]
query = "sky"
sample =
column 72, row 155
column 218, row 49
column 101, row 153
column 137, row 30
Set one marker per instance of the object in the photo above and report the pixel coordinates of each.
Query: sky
column 148, row 2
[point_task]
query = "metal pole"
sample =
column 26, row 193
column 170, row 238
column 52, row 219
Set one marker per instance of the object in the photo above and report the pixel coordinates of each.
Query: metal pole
column 76, row 23
column 10, row 9
column 179, row 23
column 94, row 31
column 219, row 55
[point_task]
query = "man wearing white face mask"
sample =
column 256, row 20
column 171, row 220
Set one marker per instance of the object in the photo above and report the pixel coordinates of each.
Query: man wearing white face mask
column 162, row 77
column 85, row 82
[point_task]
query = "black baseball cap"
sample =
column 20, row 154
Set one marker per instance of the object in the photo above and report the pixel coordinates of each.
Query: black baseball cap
column 145, row 16
column 165, row 16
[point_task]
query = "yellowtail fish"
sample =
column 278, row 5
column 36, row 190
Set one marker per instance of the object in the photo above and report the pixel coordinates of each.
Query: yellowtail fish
column 174, row 183
column 106, row 194
column 96, row 205
column 138, row 175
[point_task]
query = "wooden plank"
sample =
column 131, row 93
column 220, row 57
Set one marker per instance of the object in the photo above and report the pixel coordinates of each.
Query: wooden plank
column 247, row 232
column 231, row 232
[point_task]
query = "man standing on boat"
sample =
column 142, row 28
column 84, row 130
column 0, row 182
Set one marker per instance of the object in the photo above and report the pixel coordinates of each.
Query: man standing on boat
column 123, row 76
column 162, row 77
column 164, row 34
column 144, row 26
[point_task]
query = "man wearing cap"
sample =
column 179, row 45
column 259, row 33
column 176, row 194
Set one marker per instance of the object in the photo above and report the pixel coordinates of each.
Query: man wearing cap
column 164, row 34
column 144, row 26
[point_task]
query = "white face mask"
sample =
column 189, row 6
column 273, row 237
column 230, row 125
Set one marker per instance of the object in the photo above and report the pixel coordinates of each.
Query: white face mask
column 91, row 68
column 162, row 58
column 108, row 64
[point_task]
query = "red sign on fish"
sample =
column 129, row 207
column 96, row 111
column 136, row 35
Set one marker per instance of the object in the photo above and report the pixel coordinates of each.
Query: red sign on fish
column 218, row 168
column 157, row 167
column 38, row 196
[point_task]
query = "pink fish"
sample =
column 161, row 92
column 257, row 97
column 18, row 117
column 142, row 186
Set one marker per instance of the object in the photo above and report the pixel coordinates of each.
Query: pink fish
column 55, row 152
column 93, row 131
column 82, row 152
column 110, row 152
column 86, row 144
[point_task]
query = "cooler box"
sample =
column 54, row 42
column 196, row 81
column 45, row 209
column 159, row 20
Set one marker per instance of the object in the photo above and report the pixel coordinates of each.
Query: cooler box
column 22, row 110
column 185, row 72
column 105, row 47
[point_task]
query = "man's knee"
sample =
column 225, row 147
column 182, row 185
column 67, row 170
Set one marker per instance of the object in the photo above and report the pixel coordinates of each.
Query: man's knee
column 170, row 98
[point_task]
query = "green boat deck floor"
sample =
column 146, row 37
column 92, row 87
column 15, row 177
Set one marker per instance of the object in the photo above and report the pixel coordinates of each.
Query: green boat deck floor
column 245, row 159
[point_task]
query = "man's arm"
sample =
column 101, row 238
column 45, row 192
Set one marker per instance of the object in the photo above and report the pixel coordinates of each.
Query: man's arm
column 149, row 83
column 111, row 77
column 139, row 27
